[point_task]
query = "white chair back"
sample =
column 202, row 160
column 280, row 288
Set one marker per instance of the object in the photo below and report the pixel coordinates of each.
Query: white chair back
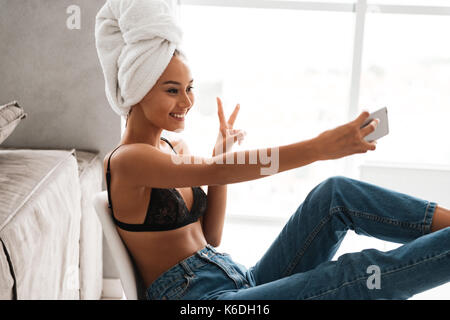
column 132, row 284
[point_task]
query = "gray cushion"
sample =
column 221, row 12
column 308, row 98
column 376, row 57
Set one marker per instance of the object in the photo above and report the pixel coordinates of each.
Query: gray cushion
column 10, row 116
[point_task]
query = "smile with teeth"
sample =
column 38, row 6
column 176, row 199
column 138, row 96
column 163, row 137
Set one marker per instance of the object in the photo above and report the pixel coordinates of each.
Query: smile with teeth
column 177, row 115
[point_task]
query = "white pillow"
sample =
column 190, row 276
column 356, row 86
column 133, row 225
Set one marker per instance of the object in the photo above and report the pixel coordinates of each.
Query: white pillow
column 10, row 116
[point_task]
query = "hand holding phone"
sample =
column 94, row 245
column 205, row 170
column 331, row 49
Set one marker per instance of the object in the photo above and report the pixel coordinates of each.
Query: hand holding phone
column 382, row 128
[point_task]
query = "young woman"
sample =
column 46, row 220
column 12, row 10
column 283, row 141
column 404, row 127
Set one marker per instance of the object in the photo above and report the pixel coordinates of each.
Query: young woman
column 171, row 225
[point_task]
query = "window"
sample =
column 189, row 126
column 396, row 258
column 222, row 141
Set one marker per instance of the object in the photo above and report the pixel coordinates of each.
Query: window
column 295, row 72
column 406, row 67
column 285, row 67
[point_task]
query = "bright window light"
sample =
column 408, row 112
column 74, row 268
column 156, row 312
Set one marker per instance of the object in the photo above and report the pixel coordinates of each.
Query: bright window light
column 290, row 71
column 406, row 67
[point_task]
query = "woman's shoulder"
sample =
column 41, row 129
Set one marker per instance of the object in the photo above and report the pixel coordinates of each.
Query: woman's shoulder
column 136, row 160
column 122, row 157
column 121, row 152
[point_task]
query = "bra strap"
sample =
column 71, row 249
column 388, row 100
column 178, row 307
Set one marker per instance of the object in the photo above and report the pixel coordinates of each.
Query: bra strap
column 108, row 180
column 162, row 138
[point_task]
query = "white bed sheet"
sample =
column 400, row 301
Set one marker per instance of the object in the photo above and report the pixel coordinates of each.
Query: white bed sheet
column 50, row 237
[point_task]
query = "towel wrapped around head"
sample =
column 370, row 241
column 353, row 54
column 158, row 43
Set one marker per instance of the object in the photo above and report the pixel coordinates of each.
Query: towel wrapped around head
column 135, row 42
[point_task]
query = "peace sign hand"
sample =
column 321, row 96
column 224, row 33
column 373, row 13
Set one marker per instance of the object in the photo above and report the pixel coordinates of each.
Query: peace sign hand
column 227, row 135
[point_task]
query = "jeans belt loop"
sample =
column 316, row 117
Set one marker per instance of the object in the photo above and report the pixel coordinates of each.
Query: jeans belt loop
column 186, row 268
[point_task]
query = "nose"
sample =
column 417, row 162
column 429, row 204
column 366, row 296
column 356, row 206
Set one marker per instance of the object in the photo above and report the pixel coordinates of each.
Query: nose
column 185, row 101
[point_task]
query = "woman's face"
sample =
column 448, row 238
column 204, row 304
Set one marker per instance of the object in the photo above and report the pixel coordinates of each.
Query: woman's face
column 172, row 94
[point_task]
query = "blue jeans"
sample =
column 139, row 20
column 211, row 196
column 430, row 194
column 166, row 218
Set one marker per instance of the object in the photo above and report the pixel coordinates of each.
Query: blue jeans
column 298, row 263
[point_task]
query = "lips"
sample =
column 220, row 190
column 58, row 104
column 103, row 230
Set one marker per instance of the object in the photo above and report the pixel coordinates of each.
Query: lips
column 177, row 118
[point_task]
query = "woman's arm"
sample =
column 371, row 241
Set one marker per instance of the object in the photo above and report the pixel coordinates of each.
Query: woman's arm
column 213, row 219
column 145, row 165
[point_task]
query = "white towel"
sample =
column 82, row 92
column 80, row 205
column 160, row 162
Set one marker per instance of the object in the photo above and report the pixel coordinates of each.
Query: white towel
column 135, row 42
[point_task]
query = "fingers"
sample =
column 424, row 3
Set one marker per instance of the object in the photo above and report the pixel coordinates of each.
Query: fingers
column 359, row 121
column 220, row 113
column 233, row 116
column 240, row 136
column 370, row 127
column 237, row 132
column 367, row 129
column 372, row 145
column 236, row 135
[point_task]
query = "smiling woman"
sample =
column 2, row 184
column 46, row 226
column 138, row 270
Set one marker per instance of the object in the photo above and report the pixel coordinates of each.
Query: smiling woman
column 170, row 226
column 168, row 100
column 170, row 88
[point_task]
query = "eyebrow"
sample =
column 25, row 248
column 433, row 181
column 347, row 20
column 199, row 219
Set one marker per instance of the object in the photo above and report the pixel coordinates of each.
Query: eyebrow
column 174, row 82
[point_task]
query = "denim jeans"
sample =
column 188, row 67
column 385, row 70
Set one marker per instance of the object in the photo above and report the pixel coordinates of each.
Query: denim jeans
column 298, row 263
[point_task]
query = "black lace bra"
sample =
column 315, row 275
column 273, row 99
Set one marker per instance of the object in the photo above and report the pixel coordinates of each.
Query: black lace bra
column 166, row 210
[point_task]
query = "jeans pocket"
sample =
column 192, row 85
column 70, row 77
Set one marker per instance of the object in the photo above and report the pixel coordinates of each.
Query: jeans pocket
column 180, row 288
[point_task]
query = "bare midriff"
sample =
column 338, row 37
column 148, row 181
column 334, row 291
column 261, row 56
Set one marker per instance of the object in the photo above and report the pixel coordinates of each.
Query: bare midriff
column 157, row 251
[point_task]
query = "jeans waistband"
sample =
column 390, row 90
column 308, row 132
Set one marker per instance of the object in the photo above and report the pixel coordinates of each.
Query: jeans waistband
column 186, row 266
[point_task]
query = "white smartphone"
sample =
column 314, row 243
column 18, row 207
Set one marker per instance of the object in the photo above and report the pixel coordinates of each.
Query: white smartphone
column 383, row 126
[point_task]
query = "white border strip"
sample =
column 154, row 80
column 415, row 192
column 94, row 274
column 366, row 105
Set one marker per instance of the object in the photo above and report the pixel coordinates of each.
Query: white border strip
column 273, row 4
column 443, row 11
column 319, row 6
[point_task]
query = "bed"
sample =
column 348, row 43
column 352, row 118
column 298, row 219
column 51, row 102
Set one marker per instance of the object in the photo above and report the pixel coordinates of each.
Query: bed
column 50, row 235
